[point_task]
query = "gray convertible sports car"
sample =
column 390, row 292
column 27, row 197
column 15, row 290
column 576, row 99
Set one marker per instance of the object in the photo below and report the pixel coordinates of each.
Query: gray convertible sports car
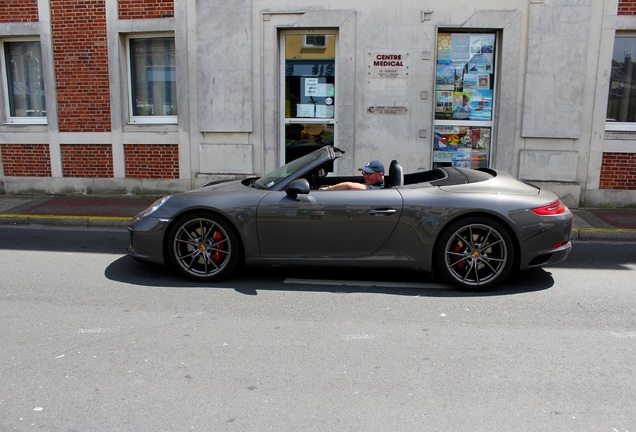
column 468, row 227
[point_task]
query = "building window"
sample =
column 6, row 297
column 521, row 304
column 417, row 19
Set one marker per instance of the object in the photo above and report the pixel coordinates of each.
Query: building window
column 464, row 99
column 314, row 41
column 621, row 103
column 153, row 91
column 24, row 82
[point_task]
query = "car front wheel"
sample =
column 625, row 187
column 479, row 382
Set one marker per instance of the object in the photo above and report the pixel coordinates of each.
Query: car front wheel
column 475, row 253
column 203, row 247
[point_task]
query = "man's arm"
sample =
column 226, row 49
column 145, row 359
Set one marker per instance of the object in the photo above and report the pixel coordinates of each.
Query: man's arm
column 344, row 186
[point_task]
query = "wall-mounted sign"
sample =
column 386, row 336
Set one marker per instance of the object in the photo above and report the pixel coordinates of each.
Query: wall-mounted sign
column 388, row 65
column 380, row 109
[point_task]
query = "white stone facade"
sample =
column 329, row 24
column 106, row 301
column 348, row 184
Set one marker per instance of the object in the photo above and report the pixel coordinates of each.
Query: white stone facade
column 554, row 63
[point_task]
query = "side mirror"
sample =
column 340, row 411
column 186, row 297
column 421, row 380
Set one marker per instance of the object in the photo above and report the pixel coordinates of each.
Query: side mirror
column 297, row 187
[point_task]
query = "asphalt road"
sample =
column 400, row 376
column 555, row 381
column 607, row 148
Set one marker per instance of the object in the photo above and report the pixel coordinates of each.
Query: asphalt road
column 94, row 341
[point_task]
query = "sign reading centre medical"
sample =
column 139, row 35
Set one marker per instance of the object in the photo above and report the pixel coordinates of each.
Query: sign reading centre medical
column 388, row 65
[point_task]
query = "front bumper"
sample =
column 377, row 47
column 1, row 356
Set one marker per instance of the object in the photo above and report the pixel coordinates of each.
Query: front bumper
column 147, row 239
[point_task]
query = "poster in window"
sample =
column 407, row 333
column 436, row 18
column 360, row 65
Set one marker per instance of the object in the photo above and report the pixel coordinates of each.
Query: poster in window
column 481, row 63
column 461, row 146
column 461, row 159
column 443, row 48
column 462, row 107
column 460, row 47
column 481, row 105
column 475, row 82
column 324, row 111
column 475, row 44
column 470, row 82
column 452, row 138
column 305, row 110
column 311, row 87
column 445, row 75
column 443, row 104
column 487, row 43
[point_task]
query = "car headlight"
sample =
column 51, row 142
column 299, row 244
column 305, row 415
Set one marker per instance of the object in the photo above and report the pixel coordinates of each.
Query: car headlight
column 153, row 208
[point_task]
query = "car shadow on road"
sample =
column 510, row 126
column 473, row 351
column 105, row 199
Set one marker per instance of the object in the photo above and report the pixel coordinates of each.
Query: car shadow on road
column 251, row 280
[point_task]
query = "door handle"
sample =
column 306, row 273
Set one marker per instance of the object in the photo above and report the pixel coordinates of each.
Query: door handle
column 381, row 212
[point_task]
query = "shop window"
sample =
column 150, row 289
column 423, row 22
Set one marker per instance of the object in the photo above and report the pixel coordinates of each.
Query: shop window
column 621, row 103
column 24, row 82
column 309, row 92
column 153, row 91
column 464, row 99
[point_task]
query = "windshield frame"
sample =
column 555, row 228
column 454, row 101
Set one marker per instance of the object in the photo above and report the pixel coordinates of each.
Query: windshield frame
column 296, row 168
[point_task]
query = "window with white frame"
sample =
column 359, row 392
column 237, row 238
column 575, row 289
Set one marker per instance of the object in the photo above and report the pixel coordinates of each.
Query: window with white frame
column 23, row 82
column 152, row 75
column 621, row 102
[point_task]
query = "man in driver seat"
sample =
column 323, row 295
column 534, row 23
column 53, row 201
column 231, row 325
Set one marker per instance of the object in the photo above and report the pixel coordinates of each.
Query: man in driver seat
column 373, row 174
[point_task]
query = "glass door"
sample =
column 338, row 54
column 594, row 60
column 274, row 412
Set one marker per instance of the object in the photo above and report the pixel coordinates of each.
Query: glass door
column 308, row 92
column 464, row 100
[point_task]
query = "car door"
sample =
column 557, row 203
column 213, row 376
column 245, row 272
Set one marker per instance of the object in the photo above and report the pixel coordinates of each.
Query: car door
column 349, row 223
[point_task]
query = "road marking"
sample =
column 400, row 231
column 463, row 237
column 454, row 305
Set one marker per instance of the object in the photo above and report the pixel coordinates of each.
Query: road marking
column 92, row 330
column 388, row 284
column 359, row 336
column 624, row 335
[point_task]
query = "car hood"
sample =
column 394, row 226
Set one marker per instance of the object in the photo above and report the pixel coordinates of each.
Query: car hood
column 218, row 189
column 222, row 196
column 230, row 184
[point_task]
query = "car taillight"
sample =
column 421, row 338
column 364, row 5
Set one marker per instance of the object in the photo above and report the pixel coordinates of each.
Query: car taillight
column 555, row 208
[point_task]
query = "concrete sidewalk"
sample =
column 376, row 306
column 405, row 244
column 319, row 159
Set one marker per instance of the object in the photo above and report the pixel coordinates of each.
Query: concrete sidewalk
column 605, row 224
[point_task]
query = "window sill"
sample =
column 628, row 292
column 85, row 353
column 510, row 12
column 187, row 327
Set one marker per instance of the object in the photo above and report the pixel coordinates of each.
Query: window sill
column 150, row 127
column 23, row 127
column 620, row 135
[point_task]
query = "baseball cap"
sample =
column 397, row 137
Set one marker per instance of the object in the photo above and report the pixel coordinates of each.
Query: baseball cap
column 373, row 166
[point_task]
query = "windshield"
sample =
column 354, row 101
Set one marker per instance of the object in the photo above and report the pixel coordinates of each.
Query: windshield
column 287, row 170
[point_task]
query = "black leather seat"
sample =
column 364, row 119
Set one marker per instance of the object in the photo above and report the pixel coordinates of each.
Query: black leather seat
column 395, row 175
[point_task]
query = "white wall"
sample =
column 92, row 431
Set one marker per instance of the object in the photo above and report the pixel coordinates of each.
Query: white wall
column 553, row 75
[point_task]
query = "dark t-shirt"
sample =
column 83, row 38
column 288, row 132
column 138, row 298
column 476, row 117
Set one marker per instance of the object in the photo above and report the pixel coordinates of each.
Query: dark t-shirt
column 378, row 185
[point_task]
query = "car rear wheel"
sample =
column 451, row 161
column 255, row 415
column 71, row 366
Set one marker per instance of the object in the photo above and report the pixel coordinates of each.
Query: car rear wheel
column 204, row 247
column 475, row 253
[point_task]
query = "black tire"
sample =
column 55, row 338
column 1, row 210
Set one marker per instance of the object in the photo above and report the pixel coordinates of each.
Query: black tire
column 204, row 247
column 475, row 253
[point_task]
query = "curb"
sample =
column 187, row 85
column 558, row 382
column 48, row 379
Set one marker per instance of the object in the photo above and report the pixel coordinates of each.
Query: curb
column 65, row 221
column 603, row 234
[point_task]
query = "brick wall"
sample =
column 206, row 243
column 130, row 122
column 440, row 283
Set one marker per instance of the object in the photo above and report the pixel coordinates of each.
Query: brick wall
column 627, row 7
column 81, row 65
column 136, row 9
column 26, row 160
column 19, row 11
column 618, row 171
column 87, row 160
column 152, row 161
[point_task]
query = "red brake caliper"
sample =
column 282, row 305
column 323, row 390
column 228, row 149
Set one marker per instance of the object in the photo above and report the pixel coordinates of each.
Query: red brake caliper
column 218, row 256
column 458, row 249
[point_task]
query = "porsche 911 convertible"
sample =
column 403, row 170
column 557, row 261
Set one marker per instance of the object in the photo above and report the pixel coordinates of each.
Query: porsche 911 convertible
column 468, row 227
